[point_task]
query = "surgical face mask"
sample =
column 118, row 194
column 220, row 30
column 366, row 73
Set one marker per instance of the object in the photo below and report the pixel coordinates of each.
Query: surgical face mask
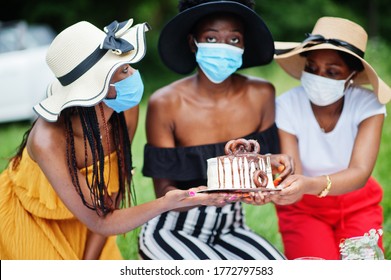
column 218, row 61
column 129, row 93
column 323, row 91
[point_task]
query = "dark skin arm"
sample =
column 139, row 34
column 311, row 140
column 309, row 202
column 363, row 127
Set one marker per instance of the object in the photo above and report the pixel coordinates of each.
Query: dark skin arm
column 171, row 117
column 363, row 159
column 45, row 150
column 45, row 146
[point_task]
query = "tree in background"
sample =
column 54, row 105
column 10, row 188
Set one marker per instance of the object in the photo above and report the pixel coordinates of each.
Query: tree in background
column 286, row 17
column 288, row 20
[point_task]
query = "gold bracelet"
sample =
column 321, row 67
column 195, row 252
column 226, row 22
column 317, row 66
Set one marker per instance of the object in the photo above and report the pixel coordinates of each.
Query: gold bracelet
column 327, row 188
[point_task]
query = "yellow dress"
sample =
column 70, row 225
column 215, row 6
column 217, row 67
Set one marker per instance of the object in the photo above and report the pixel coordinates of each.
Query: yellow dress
column 35, row 224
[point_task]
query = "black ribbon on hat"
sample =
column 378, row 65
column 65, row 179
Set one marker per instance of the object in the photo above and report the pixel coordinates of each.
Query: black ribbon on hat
column 319, row 39
column 111, row 42
column 313, row 40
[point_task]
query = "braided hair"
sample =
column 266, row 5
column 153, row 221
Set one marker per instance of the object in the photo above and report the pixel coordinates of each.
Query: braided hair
column 101, row 201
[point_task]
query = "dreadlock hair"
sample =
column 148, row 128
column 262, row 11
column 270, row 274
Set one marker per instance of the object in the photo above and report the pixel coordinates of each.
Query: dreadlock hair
column 101, row 202
column 15, row 160
column 186, row 4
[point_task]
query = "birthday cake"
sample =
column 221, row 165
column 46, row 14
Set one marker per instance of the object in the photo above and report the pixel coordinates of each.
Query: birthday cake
column 241, row 168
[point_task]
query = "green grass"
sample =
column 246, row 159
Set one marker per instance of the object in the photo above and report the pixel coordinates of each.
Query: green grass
column 11, row 135
column 262, row 219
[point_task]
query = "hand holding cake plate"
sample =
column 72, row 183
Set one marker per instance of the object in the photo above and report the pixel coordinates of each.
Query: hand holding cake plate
column 235, row 190
column 242, row 169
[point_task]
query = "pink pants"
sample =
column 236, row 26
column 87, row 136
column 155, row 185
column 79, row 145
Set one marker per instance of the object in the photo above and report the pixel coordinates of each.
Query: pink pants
column 315, row 226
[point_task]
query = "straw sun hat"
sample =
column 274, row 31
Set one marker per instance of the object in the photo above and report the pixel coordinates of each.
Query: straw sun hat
column 336, row 34
column 174, row 47
column 83, row 58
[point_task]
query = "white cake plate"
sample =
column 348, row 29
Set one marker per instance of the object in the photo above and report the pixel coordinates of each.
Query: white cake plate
column 241, row 190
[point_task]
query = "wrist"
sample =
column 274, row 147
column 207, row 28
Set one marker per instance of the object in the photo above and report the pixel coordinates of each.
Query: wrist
column 327, row 187
column 164, row 204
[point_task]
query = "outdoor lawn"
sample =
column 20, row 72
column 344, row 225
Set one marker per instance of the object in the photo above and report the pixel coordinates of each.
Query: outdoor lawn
column 262, row 219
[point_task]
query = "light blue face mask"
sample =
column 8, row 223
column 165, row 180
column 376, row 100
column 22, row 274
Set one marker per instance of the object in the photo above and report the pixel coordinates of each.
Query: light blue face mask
column 129, row 93
column 218, row 61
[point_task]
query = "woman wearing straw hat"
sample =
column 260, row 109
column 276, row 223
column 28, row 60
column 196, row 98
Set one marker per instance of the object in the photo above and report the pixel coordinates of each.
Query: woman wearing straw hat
column 60, row 195
column 191, row 119
column 332, row 127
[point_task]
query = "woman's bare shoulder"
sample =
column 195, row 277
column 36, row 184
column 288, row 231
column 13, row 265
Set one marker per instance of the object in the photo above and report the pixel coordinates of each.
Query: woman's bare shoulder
column 257, row 87
column 45, row 139
column 260, row 83
column 170, row 94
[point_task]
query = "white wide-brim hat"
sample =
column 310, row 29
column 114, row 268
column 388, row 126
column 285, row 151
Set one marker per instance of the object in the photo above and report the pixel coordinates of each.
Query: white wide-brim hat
column 83, row 58
column 336, row 34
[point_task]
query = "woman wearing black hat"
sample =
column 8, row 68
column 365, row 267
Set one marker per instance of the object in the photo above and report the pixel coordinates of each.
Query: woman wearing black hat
column 191, row 119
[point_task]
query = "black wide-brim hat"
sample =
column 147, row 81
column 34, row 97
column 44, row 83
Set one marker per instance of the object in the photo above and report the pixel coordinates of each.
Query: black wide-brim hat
column 174, row 48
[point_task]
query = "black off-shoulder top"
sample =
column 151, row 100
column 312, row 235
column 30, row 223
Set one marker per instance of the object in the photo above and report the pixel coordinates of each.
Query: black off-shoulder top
column 187, row 165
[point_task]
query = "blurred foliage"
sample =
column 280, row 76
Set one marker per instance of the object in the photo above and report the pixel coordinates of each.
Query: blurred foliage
column 288, row 20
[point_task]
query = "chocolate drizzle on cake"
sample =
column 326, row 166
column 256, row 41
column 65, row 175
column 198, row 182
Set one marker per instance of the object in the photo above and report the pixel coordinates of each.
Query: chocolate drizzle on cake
column 244, row 163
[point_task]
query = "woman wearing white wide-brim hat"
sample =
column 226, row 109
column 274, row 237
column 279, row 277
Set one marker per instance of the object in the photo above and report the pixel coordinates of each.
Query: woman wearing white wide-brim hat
column 332, row 127
column 69, row 186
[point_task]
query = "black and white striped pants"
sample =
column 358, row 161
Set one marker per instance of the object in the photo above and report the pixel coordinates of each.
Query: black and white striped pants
column 204, row 233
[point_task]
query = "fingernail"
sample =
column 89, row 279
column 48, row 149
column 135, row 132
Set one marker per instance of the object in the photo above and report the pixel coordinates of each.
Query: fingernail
column 191, row 193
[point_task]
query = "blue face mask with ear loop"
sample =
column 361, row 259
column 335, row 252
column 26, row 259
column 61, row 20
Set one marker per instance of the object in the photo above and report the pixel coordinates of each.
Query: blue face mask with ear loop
column 218, row 61
column 129, row 93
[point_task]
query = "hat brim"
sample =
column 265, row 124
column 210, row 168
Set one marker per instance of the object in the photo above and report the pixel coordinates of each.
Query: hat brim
column 92, row 87
column 174, row 48
column 293, row 63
